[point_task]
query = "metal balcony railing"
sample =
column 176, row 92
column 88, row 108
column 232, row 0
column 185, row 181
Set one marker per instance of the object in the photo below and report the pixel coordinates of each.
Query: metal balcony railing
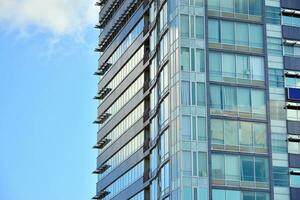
column 102, row 143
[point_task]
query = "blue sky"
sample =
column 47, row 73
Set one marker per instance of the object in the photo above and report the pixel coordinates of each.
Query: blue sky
column 46, row 105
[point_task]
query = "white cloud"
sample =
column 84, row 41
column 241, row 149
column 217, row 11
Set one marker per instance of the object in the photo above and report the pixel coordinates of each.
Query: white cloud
column 59, row 17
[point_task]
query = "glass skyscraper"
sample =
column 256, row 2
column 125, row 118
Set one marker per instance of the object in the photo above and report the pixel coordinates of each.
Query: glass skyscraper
column 198, row 100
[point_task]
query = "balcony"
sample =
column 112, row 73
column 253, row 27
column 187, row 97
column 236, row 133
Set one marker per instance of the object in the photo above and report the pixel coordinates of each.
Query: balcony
column 101, row 195
column 100, row 2
column 116, row 23
column 101, row 169
column 102, row 143
column 293, row 139
column 103, row 69
column 292, row 74
column 108, row 10
column 103, row 93
column 102, row 118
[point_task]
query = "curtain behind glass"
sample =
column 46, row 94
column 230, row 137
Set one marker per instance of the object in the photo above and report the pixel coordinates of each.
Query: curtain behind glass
column 227, row 6
column 215, row 96
column 244, row 100
column 215, row 65
column 218, row 167
column 229, row 96
column 242, row 67
column 255, row 7
column 241, row 6
column 232, row 168
column 257, row 66
column 185, row 59
column 228, row 65
column 258, row 102
column 184, row 25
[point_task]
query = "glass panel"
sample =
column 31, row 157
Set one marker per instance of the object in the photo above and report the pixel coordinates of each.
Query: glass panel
column 255, row 7
column 244, row 100
column 199, row 60
column 233, row 195
column 213, row 31
column 228, row 65
column 241, row 34
column 258, row 102
column 228, row 6
column 218, row 168
column 218, row 194
column 295, row 179
column 193, row 59
column 257, row 67
column 286, row 20
column 256, row 36
column 187, row 193
column 186, row 127
column 195, row 164
column 232, row 168
column 195, row 194
column 261, row 169
column 199, row 3
column 248, row 196
column 192, row 26
column 215, row 65
column 186, row 163
column 203, row 193
column 246, row 137
column 199, row 27
column 193, row 93
column 185, row 93
column 202, row 164
column 262, row 196
column 200, row 94
column 231, row 133
column 227, row 32
column 241, row 6
column 260, row 131
column 273, row 15
column 280, row 176
column 247, row 168
column 229, row 95
column 274, row 46
column 276, row 77
column 217, row 131
column 185, row 59
column 295, row 21
column 242, row 67
column 215, row 96
column 184, row 25
column 194, row 129
column 213, row 4
column 201, row 125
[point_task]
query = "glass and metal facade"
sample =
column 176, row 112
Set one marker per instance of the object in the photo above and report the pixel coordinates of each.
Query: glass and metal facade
column 198, row 100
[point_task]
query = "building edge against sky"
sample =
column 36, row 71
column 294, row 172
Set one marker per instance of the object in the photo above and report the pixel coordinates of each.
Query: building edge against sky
column 198, row 99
